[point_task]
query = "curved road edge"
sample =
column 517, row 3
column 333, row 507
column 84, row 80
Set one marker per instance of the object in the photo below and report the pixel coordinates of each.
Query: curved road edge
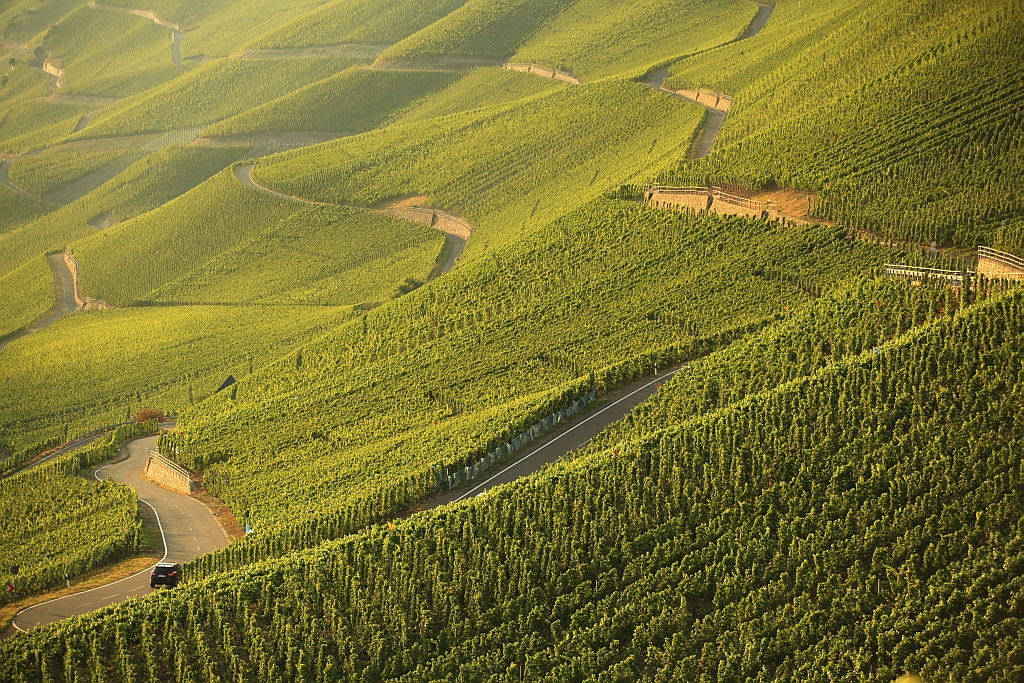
column 187, row 527
column 66, row 299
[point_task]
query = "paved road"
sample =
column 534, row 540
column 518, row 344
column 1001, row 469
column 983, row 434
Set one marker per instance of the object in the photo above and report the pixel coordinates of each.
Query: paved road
column 188, row 528
column 572, row 436
column 64, row 299
column 244, row 174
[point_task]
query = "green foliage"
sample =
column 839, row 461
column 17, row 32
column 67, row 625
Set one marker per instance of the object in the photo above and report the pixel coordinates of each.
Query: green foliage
column 370, row 22
column 821, row 529
column 123, row 264
column 16, row 208
column 218, row 29
column 23, row 20
column 43, row 173
column 147, row 184
column 47, row 537
column 320, row 256
column 477, row 89
column 62, row 374
column 431, row 378
column 353, row 101
column 489, row 28
column 918, row 137
column 510, row 170
column 846, row 324
column 596, row 38
column 110, row 54
column 25, row 294
column 210, row 92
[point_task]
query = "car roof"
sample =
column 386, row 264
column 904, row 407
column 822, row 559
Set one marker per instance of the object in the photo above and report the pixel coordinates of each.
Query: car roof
column 166, row 565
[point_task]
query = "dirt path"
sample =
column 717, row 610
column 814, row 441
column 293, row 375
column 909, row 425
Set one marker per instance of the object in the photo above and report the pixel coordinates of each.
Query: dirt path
column 187, row 527
column 354, row 50
column 764, row 12
column 457, row 230
column 717, row 104
column 543, row 72
column 5, row 179
column 66, row 298
column 177, row 35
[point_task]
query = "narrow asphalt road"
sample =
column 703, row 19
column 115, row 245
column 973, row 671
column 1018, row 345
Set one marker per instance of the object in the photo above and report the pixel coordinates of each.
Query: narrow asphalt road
column 64, row 299
column 572, row 436
column 188, row 528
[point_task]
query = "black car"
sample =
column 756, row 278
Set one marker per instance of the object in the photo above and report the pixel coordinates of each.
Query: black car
column 165, row 574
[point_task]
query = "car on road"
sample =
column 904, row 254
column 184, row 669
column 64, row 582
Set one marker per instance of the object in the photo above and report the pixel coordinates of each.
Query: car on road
column 165, row 574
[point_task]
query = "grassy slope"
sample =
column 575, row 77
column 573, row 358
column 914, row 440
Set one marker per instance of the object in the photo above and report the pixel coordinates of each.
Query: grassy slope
column 509, row 169
column 353, row 101
column 486, row 28
column 147, row 184
column 319, row 256
column 919, row 137
column 479, row 88
column 358, row 21
column 596, row 38
column 16, row 208
column 427, row 379
column 61, row 375
column 217, row 29
column 110, row 54
column 25, row 294
column 210, row 93
column 43, row 173
column 123, row 264
column 27, row 122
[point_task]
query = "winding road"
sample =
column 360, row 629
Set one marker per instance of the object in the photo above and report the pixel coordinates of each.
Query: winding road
column 715, row 117
column 66, row 299
column 188, row 529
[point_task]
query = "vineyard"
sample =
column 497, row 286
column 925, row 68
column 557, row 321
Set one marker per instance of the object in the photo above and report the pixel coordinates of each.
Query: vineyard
column 56, row 386
column 581, row 142
column 38, row 526
column 25, row 294
column 858, row 117
column 110, row 55
column 756, row 513
column 195, row 227
column 353, row 101
column 317, row 256
column 827, row 488
column 598, row 38
column 209, row 93
column 145, row 185
column 538, row 317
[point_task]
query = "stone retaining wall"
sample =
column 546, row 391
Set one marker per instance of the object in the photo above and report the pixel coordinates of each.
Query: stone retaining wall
column 171, row 476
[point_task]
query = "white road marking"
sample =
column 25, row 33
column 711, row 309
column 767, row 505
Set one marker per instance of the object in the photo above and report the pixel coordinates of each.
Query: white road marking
column 540, row 448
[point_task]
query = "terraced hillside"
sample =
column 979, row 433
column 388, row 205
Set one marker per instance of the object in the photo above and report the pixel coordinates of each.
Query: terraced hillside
column 376, row 256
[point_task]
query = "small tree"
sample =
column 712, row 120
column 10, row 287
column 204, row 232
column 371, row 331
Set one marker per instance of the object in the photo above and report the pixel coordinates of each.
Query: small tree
column 148, row 414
